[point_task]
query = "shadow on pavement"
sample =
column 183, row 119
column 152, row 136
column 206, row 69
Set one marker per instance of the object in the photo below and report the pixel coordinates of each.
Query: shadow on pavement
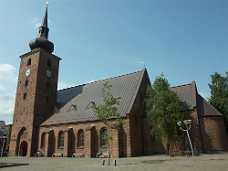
column 2, row 165
column 153, row 161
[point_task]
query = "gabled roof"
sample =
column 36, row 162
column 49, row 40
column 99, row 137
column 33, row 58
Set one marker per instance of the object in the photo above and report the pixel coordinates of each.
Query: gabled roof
column 206, row 109
column 73, row 102
column 187, row 94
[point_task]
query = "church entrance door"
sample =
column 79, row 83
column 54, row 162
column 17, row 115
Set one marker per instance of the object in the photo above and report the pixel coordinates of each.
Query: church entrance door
column 23, row 148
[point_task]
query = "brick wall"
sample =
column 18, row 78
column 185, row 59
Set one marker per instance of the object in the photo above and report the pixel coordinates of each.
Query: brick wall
column 39, row 103
column 214, row 134
column 118, row 148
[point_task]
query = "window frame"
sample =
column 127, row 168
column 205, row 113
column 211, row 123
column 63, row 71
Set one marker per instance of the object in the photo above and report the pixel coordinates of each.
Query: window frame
column 80, row 138
column 103, row 142
column 61, row 137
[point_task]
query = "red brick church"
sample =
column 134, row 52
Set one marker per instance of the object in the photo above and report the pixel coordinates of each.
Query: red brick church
column 59, row 122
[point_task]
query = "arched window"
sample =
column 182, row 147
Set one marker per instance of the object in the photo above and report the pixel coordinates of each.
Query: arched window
column 61, row 140
column 29, row 62
column 80, row 138
column 42, row 140
column 103, row 137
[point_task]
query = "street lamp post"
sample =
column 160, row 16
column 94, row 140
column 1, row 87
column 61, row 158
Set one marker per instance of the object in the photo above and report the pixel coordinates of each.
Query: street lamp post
column 187, row 124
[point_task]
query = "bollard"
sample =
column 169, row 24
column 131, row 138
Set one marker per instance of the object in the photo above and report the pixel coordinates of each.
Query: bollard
column 103, row 162
column 115, row 163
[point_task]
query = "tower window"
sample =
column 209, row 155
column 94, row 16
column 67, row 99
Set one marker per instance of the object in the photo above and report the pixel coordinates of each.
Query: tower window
column 49, row 63
column 29, row 61
column 26, row 83
column 24, row 96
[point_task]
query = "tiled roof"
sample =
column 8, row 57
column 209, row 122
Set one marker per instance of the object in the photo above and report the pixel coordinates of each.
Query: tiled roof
column 186, row 94
column 206, row 109
column 73, row 102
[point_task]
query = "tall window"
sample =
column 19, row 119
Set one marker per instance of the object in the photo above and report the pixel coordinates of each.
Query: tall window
column 103, row 137
column 24, row 96
column 26, row 83
column 80, row 138
column 29, row 62
column 42, row 140
column 61, row 140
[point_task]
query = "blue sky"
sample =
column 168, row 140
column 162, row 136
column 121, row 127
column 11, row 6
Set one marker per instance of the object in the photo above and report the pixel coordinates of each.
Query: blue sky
column 96, row 39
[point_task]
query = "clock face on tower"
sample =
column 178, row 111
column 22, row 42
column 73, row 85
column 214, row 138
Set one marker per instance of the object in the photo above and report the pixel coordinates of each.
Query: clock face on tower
column 27, row 72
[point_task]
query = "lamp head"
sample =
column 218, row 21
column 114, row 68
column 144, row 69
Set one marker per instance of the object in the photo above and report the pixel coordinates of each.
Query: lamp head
column 188, row 122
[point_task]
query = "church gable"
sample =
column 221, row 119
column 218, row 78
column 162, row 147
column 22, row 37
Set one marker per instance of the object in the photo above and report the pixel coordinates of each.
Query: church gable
column 73, row 102
column 206, row 109
column 187, row 94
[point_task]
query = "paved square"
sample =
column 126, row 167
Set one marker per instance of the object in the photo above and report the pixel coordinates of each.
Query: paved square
column 215, row 162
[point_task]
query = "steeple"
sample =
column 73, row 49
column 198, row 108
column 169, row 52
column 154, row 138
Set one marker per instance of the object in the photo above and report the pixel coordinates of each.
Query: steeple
column 42, row 40
column 43, row 29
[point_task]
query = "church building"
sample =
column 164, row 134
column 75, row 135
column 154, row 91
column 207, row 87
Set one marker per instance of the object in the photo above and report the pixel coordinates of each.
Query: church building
column 58, row 122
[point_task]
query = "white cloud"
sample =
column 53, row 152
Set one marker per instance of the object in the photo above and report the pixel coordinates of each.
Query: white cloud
column 7, row 72
column 8, row 80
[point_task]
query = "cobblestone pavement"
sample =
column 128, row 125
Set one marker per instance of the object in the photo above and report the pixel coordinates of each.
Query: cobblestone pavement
column 214, row 162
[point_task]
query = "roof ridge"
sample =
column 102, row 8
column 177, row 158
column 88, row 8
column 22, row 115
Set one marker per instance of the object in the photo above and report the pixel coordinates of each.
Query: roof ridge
column 142, row 70
column 186, row 84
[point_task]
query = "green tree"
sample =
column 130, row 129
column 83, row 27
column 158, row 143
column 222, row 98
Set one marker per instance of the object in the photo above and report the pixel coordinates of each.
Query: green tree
column 107, row 112
column 219, row 93
column 164, row 110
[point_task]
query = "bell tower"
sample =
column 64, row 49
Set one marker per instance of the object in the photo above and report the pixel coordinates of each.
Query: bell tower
column 36, row 92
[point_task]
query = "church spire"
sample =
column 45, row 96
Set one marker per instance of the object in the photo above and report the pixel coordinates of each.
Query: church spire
column 42, row 40
column 43, row 29
column 45, row 19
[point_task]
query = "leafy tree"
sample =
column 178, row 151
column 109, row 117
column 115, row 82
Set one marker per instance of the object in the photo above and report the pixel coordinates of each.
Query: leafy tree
column 107, row 111
column 219, row 93
column 164, row 110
